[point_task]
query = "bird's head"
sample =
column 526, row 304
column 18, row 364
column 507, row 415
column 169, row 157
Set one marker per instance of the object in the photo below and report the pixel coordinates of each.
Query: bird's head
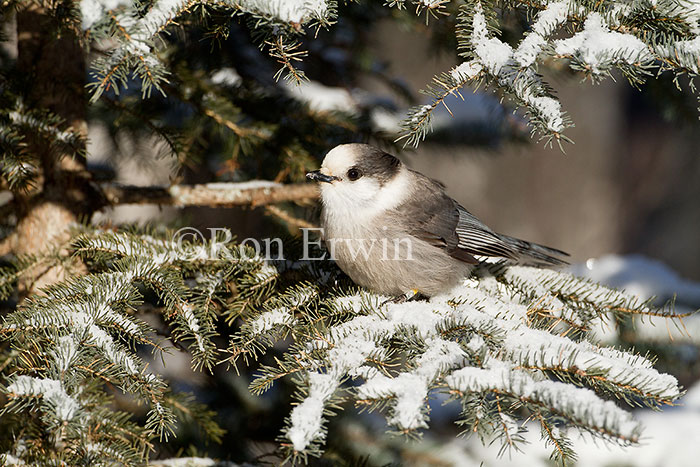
column 356, row 175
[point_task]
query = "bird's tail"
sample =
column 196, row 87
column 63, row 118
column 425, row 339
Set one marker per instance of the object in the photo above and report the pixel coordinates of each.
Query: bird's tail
column 535, row 254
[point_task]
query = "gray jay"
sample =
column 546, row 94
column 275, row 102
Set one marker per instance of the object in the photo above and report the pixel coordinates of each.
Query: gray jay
column 395, row 231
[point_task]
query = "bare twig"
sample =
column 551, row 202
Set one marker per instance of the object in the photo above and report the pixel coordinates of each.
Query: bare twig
column 256, row 193
column 293, row 222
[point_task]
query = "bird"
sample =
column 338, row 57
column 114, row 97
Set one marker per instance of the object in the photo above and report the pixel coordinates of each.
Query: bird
column 397, row 232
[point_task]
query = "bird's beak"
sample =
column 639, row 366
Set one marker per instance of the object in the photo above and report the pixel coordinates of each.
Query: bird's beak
column 321, row 177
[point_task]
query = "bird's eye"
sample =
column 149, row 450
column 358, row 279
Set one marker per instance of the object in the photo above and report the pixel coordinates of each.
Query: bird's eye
column 354, row 174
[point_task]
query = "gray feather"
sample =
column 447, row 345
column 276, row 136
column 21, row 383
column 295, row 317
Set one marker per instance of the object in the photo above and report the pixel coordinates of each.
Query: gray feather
column 432, row 216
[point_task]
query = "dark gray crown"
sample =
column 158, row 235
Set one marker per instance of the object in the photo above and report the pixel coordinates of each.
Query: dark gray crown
column 374, row 162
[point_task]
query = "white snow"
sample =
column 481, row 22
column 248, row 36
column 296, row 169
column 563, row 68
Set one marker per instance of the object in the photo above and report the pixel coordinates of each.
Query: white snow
column 349, row 303
column 466, row 70
column 523, row 344
column 351, row 344
column 93, row 10
column 78, row 318
column 64, row 353
column 159, row 14
column 266, row 273
column 226, row 76
column 288, row 11
column 271, row 319
column 645, row 278
column 152, row 252
column 547, row 107
column 307, row 416
column 103, row 340
column 599, row 47
column 433, row 3
column 668, row 440
column 583, row 404
column 281, row 316
column 193, row 324
column 10, row 460
column 387, row 121
column 687, row 52
column 20, row 117
column 498, row 58
column 420, row 114
column 492, row 53
column 639, row 276
column 139, row 31
column 542, row 349
column 410, row 389
column 535, row 279
column 51, row 390
column 546, row 23
column 106, row 316
column 322, row 98
column 186, row 462
column 596, row 46
column 242, row 186
column 191, row 320
column 304, row 296
column 691, row 11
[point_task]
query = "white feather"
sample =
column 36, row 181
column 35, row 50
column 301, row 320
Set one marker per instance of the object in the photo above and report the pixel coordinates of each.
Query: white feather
column 360, row 201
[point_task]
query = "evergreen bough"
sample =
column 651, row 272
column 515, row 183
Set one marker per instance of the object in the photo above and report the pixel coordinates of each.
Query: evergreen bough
column 511, row 343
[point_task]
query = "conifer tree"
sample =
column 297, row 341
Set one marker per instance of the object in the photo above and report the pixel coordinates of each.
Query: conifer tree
column 85, row 306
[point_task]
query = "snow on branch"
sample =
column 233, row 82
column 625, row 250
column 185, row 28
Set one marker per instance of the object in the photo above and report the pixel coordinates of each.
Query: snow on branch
column 135, row 34
column 19, row 124
column 581, row 406
column 633, row 37
column 288, row 11
column 134, row 53
column 80, row 325
column 598, row 49
column 510, row 342
column 84, row 332
column 513, row 70
column 410, row 389
column 53, row 395
column 479, row 340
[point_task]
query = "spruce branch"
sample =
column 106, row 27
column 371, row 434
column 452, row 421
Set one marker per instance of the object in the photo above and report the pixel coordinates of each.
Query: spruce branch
column 485, row 343
column 136, row 35
column 511, row 343
column 286, row 54
column 479, row 343
column 637, row 39
column 83, row 334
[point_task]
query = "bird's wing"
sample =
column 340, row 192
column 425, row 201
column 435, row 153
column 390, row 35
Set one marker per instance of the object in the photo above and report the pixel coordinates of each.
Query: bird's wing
column 434, row 220
column 437, row 219
column 432, row 216
column 476, row 238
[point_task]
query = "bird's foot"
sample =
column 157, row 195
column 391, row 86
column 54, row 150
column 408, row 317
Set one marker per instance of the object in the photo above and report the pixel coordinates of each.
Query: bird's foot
column 403, row 298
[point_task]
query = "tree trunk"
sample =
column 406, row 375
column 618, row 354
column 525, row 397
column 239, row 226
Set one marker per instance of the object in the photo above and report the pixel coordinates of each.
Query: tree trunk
column 52, row 61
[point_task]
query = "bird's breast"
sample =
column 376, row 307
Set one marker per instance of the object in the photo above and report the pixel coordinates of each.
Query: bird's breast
column 346, row 224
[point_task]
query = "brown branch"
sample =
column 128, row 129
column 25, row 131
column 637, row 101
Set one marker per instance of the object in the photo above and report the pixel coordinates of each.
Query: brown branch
column 552, row 438
column 211, row 194
column 294, row 222
column 241, row 132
